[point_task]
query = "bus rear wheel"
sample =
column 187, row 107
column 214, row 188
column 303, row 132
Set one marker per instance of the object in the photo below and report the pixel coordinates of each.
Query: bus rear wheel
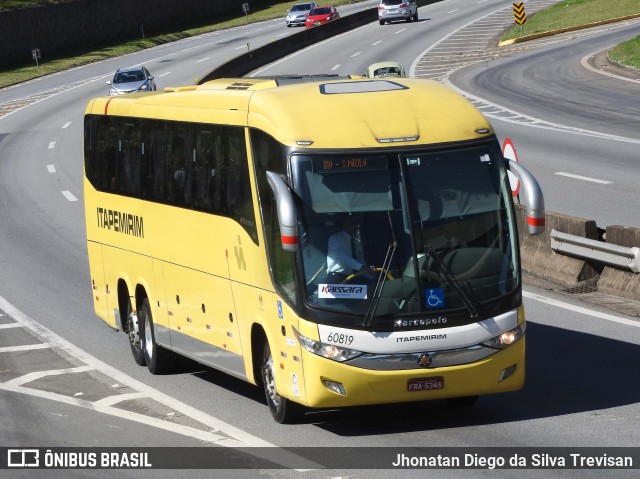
column 283, row 410
column 136, row 340
column 159, row 360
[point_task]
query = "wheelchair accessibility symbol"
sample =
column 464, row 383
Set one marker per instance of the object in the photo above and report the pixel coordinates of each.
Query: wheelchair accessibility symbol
column 434, row 298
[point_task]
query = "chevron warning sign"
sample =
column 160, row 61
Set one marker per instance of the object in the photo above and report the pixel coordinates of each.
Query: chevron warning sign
column 518, row 13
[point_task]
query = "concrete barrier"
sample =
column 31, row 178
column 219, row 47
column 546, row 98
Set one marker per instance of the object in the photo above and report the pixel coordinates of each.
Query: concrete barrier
column 540, row 261
column 615, row 281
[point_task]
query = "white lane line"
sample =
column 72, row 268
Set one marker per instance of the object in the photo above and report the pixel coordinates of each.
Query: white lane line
column 583, row 178
column 27, row 378
column 355, row 54
column 26, row 347
column 51, row 168
column 581, row 310
column 400, row 31
column 164, row 74
column 203, row 60
column 116, row 398
column 68, row 195
column 376, row 43
column 10, row 325
column 238, row 436
column 453, row 11
column 66, row 125
column 336, row 67
column 121, row 413
column 52, row 145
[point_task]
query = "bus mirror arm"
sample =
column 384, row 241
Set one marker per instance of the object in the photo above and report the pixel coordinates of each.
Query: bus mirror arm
column 287, row 211
column 533, row 193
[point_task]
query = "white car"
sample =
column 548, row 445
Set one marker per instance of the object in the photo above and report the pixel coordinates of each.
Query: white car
column 297, row 15
column 385, row 69
column 389, row 10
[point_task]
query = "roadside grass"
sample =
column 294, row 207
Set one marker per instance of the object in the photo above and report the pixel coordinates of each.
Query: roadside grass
column 627, row 53
column 29, row 71
column 572, row 13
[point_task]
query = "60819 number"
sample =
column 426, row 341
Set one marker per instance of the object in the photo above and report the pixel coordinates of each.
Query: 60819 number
column 340, row 338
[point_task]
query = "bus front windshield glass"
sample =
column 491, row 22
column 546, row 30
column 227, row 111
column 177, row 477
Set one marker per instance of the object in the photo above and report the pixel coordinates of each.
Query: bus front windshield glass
column 400, row 234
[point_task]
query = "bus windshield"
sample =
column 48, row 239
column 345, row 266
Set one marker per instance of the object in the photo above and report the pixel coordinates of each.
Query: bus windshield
column 405, row 233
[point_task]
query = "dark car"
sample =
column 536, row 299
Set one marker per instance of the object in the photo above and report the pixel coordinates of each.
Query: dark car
column 131, row 80
column 320, row 16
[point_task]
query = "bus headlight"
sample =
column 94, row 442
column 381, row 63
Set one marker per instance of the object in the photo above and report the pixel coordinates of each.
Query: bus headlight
column 507, row 338
column 329, row 351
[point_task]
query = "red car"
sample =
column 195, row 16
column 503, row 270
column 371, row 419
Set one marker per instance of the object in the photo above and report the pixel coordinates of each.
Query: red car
column 320, row 15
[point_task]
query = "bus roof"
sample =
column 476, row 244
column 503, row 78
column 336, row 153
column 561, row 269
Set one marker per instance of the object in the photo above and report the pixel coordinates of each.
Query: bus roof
column 323, row 112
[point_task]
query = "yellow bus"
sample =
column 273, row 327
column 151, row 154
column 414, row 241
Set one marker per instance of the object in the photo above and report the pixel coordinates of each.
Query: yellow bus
column 215, row 215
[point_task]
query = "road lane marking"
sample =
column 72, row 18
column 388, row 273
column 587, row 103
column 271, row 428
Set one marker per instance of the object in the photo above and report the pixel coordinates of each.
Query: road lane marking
column 581, row 310
column 583, row 178
column 236, row 437
column 10, row 325
column 27, row 378
column 66, row 125
column 68, row 195
column 116, row 398
column 51, row 168
column 25, row 347
column 52, row 145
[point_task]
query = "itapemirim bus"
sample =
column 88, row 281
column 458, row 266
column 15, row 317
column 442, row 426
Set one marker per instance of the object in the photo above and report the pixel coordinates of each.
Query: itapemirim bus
column 208, row 213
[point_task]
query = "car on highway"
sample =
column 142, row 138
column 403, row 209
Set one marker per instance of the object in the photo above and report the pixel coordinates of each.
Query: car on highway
column 297, row 14
column 385, row 69
column 321, row 15
column 131, row 80
column 390, row 10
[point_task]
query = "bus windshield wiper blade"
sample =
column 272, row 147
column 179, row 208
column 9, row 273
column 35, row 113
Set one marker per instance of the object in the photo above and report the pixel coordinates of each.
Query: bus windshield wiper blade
column 377, row 291
column 448, row 275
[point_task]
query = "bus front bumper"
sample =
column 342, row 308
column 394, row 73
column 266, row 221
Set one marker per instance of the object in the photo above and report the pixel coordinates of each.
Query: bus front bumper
column 333, row 384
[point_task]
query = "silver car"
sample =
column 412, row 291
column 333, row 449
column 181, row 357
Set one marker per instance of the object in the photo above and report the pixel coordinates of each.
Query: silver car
column 298, row 13
column 131, row 80
column 389, row 10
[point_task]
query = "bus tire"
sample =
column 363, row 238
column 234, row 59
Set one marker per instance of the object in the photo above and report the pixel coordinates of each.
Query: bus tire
column 283, row 410
column 136, row 335
column 159, row 360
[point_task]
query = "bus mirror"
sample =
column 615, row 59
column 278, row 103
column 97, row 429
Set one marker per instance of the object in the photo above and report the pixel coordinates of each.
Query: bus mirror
column 287, row 211
column 533, row 193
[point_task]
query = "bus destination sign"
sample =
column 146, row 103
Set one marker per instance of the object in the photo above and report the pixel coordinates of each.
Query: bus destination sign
column 349, row 163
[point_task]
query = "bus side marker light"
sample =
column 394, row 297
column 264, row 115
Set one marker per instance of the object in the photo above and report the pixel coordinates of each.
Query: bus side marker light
column 506, row 372
column 334, row 386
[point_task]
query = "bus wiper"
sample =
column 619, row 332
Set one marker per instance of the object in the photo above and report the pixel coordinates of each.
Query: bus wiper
column 377, row 291
column 448, row 275
column 382, row 278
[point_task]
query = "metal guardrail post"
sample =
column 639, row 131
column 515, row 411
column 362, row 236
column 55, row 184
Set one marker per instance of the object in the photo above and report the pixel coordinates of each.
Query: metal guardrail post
column 620, row 257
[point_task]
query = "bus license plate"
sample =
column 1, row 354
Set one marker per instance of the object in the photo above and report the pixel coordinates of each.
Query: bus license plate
column 425, row 384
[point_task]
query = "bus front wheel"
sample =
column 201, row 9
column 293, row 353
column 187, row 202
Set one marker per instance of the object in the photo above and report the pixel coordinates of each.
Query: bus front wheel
column 159, row 360
column 282, row 409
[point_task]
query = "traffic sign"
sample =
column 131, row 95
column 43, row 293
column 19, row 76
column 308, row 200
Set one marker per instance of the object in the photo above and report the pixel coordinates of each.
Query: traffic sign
column 519, row 14
column 509, row 152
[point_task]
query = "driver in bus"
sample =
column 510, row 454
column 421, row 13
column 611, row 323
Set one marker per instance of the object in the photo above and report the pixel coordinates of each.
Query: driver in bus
column 344, row 253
